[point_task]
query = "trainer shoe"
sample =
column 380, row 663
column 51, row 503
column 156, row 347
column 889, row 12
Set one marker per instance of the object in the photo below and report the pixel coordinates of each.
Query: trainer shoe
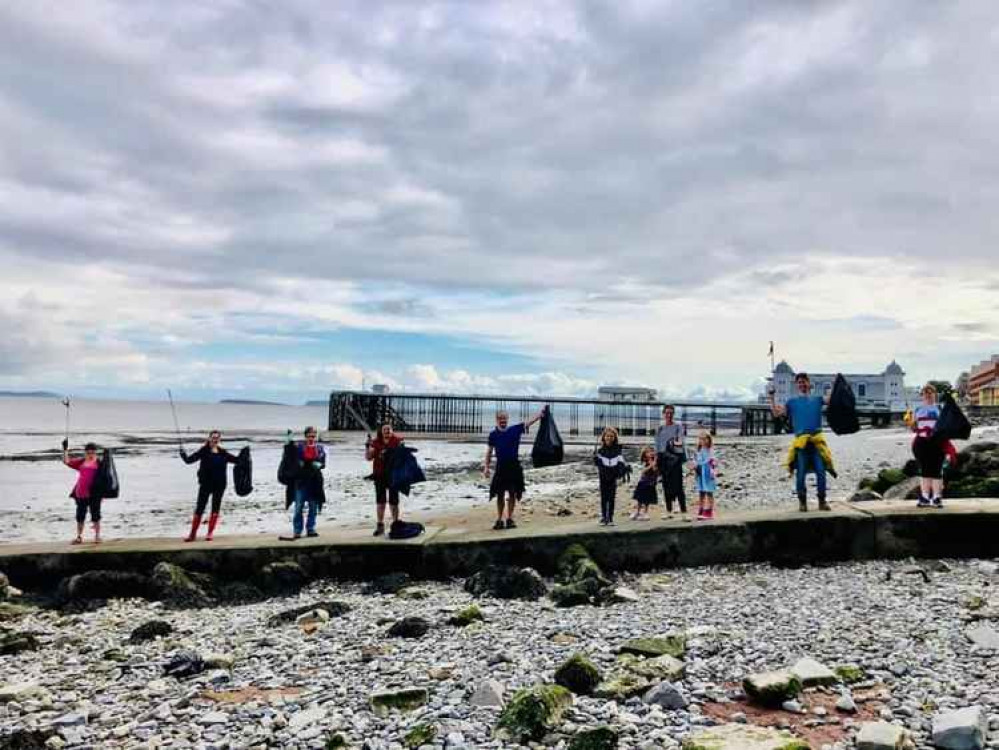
column 379, row 530
column 923, row 502
column 510, row 524
column 938, row 502
column 498, row 526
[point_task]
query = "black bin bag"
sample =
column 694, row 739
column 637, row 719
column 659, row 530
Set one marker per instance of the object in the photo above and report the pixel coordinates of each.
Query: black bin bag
column 403, row 469
column 548, row 447
column 106, row 482
column 841, row 414
column 952, row 424
column 242, row 473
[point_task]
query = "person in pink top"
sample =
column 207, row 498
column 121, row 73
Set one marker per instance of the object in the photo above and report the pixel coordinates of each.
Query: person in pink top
column 86, row 499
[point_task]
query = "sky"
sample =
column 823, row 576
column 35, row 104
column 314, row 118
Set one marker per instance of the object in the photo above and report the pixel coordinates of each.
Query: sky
column 272, row 200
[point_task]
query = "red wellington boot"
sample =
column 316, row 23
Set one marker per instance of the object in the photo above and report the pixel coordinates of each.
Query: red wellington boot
column 213, row 521
column 195, row 523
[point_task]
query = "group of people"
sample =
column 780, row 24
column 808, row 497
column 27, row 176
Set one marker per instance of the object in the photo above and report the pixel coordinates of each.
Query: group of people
column 666, row 463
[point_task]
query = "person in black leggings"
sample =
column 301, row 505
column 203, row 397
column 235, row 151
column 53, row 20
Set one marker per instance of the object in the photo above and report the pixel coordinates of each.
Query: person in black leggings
column 610, row 464
column 212, row 461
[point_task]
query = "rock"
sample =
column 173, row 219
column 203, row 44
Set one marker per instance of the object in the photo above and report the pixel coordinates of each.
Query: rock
column 532, row 712
column 21, row 692
column 658, row 669
column 10, row 612
column 391, row 583
column 903, row 489
column 306, row 718
column 793, row 707
column 622, row 595
column 667, row 695
column 239, row 592
column 964, row 729
column 421, row 734
column 601, row 738
column 17, row 643
column 633, row 676
column 184, row 664
column 888, row 478
column 149, row 631
column 180, row 588
column 466, row 616
column 106, row 584
column 288, row 616
column 578, row 674
column 620, row 686
column 218, row 661
column 4, row 587
column 414, row 595
column 771, row 689
column 409, row 627
column 282, row 578
column 812, row 673
column 24, row 739
column 213, row 718
column 846, row 704
column 488, row 694
column 573, row 595
column 880, row 735
column 312, row 621
column 983, row 636
column 743, row 737
column 671, row 644
column 502, row 582
column 864, row 496
column 575, row 565
column 404, row 699
column 336, row 742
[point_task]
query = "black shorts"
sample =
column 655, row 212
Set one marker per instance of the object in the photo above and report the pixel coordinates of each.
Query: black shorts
column 85, row 505
column 929, row 453
column 383, row 493
column 508, row 479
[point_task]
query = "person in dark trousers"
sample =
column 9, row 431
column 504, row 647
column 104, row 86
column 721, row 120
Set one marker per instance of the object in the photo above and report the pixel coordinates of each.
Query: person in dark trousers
column 610, row 464
column 928, row 450
column 384, row 495
column 809, row 450
column 671, row 456
column 509, row 478
column 83, row 492
column 213, row 461
column 309, row 492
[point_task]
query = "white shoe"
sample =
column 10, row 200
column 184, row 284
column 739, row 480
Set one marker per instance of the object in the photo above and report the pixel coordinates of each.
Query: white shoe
column 635, row 516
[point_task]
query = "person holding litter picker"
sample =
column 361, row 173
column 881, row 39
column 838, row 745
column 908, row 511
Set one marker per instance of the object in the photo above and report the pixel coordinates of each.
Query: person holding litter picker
column 84, row 492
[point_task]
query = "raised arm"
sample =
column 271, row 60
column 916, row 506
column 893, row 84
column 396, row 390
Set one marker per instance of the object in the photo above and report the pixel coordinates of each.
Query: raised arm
column 776, row 409
column 536, row 418
column 65, row 452
column 194, row 457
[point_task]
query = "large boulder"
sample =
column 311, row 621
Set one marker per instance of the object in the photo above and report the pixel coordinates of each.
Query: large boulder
column 4, row 587
column 106, row 584
column 465, row 617
column 907, row 489
column 532, row 712
column 17, row 643
column 151, row 630
column 390, row 583
column 880, row 735
column 671, row 644
column 578, row 674
column 743, row 737
column 503, row 582
column 888, row 478
column 282, row 578
column 28, row 739
column 409, row 627
column 964, row 729
column 771, row 689
column 181, row 588
column 634, row 676
column 10, row 611
column 666, row 695
column 812, row 673
column 601, row 738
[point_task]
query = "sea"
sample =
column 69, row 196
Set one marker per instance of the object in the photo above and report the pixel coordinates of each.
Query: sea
column 158, row 489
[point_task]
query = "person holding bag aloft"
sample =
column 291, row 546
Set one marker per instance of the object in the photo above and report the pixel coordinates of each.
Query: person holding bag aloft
column 375, row 451
column 85, row 491
column 213, row 461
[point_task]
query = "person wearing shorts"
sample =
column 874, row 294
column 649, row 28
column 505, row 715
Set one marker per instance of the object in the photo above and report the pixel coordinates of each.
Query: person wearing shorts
column 928, row 450
column 87, row 500
column 384, row 495
column 508, row 481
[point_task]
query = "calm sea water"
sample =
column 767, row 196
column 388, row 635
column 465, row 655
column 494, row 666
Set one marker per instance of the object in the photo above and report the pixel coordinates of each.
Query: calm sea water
column 158, row 489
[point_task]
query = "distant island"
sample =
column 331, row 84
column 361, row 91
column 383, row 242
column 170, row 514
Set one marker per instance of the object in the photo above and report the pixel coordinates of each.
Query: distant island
column 250, row 402
column 29, row 394
column 322, row 402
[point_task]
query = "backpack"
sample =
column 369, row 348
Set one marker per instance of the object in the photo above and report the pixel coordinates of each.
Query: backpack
column 548, row 448
column 952, row 424
column 242, row 473
column 405, row 530
column 106, row 482
column 841, row 413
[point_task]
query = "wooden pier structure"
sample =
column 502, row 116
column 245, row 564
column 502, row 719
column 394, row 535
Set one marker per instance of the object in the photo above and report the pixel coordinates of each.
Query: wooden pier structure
column 438, row 413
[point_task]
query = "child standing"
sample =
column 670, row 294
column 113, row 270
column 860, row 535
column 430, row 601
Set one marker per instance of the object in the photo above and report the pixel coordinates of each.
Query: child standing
column 706, row 469
column 645, row 491
column 610, row 466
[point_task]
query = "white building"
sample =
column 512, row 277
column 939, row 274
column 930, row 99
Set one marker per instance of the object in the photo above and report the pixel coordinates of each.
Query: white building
column 885, row 388
column 624, row 393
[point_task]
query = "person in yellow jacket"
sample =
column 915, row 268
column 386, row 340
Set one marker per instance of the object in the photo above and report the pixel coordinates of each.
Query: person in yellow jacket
column 809, row 451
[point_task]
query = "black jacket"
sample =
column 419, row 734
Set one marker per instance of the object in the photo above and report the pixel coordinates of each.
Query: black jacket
column 212, row 469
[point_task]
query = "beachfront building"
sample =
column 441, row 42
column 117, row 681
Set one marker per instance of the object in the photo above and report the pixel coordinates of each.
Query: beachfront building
column 625, row 393
column 886, row 388
column 982, row 380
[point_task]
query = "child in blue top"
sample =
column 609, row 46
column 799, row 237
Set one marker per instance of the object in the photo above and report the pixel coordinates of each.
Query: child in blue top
column 706, row 470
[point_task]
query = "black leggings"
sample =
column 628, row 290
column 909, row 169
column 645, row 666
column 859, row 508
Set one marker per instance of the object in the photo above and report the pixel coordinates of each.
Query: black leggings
column 930, row 455
column 384, row 494
column 93, row 505
column 204, row 492
column 608, row 491
column 671, row 467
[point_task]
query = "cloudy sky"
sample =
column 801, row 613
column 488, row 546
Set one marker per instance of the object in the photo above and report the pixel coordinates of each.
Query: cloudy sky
column 273, row 199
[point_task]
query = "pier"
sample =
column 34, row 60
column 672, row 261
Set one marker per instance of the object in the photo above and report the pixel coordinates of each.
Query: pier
column 436, row 413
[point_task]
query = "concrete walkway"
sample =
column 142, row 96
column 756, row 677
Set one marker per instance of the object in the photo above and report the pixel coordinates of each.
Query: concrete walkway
column 965, row 528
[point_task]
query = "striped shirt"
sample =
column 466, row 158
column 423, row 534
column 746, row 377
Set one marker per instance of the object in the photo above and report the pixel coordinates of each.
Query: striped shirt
column 926, row 420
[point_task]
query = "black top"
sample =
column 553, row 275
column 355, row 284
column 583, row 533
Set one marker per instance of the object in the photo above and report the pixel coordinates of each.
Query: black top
column 212, row 469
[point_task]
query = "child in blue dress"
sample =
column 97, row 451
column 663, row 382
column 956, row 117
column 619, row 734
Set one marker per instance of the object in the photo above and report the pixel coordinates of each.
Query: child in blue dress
column 706, row 469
